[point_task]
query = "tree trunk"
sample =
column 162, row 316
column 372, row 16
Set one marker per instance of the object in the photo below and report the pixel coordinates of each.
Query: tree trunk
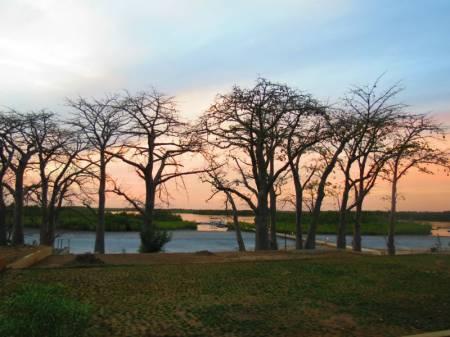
column 357, row 228
column 298, row 207
column 149, row 204
column 18, row 236
column 341, row 242
column 392, row 216
column 273, row 219
column 311, row 239
column 261, row 223
column 236, row 224
column 3, row 229
column 52, row 216
column 44, row 230
column 100, row 230
column 298, row 220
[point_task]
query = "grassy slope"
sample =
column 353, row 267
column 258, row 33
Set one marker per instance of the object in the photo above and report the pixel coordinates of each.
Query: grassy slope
column 336, row 295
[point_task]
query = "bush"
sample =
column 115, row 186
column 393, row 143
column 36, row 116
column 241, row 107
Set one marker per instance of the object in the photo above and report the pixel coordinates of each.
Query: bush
column 153, row 240
column 43, row 310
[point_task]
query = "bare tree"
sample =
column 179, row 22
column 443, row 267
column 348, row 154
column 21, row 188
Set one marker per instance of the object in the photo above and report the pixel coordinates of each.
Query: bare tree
column 414, row 145
column 338, row 133
column 101, row 122
column 19, row 145
column 60, row 167
column 5, row 184
column 217, row 178
column 49, row 141
column 307, row 134
column 157, row 142
column 252, row 125
column 375, row 115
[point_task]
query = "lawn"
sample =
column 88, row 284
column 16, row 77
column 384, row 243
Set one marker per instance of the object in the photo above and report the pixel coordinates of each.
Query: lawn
column 332, row 295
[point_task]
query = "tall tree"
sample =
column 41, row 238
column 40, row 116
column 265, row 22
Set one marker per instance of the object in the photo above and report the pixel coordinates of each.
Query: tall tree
column 49, row 141
column 307, row 134
column 338, row 133
column 414, row 145
column 20, row 146
column 157, row 142
column 101, row 123
column 60, row 167
column 252, row 125
column 375, row 115
column 5, row 161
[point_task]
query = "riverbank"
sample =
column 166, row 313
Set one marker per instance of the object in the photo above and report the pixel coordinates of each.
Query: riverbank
column 336, row 294
column 373, row 222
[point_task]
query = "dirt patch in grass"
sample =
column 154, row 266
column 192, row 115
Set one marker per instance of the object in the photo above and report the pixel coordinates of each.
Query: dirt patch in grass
column 11, row 254
column 189, row 258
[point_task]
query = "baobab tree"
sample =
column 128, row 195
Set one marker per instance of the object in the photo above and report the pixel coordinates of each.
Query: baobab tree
column 49, row 140
column 100, row 122
column 338, row 132
column 308, row 133
column 20, row 146
column 5, row 161
column 60, row 167
column 157, row 141
column 252, row 125
column 414, row 145
column 375, row 115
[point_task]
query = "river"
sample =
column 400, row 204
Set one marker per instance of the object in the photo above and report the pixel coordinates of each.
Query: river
column 193, row 241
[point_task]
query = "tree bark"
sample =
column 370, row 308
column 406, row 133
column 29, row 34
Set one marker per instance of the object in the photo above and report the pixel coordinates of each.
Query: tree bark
column 237, row 226
column 261, row 222
column 392, row 217
column 273, row 219
column 149, row 204
column 298, row 207
column 341, row 242
column 18, row 236
column 100, row 230
column 44, row 230
column 3, row 229
column 357, row 228
column 311, row 239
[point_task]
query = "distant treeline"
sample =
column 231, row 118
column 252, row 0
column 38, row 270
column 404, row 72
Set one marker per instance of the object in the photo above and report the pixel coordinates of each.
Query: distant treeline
column 332, row 216
column 116, row 219
column 81, row 218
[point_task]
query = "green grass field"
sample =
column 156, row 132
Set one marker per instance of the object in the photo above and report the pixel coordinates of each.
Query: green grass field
column 335, row 295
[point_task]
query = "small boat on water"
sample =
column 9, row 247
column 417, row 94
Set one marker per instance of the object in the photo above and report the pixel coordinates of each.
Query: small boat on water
column 215, row 225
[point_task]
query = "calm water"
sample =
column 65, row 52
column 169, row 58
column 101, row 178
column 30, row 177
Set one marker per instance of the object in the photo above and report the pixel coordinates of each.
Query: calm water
column 182, row 241
column 193, row 241
column 405, row 242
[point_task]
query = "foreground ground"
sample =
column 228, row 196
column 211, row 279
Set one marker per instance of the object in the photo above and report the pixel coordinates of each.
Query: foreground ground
column 330, row 294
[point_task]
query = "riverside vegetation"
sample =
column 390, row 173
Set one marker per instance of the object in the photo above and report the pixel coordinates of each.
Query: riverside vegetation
column 373, row 222
column 260, row 146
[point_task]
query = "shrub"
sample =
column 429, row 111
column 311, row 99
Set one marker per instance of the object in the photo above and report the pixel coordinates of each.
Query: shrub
column 87, row 259
column 43, row 310
column 153, row 240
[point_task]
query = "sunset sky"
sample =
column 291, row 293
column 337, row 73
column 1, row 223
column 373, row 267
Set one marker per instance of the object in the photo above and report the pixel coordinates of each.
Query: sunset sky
column 50, row 50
